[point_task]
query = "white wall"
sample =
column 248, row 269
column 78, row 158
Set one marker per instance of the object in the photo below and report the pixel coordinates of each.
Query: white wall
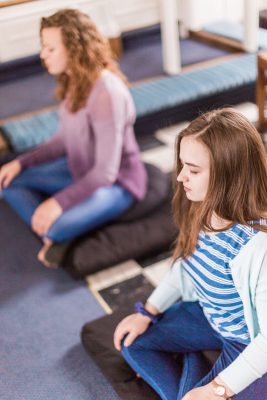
column 196, row 13
column 134, row 14
column 19, row 25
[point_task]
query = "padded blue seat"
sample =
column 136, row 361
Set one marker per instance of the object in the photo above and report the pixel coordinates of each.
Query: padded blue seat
column 161, row 102
column 186, row 87
column 235, row 31
column 28, row 132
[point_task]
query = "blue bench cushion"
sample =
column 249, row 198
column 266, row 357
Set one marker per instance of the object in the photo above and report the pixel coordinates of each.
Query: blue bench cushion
column 185, row 87
column 28, row 132
column 150, row 98
column 235, row 31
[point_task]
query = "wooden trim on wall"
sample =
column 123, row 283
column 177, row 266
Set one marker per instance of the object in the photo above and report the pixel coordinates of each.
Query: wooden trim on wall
column 13, row 2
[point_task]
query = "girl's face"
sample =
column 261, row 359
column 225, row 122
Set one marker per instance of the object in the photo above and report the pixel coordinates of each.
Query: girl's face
column 194, row 175
column 53, row 53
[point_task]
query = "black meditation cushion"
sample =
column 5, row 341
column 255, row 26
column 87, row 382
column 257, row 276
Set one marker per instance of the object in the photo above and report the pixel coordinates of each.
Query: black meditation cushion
column 97, row 339
column 119, row 242
column 144, row 230
column 157, row 191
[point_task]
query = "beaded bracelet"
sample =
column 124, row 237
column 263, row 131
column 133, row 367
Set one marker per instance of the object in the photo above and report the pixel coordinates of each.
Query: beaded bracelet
column 140, row 308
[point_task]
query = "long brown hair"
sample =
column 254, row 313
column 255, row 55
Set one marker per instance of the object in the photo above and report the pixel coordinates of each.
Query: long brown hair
column 88, row 54
column 237, row 190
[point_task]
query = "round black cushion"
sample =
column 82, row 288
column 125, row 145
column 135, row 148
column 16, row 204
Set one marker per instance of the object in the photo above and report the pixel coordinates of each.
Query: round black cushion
column 118, row 242
column 148, row 229
column 157, row 192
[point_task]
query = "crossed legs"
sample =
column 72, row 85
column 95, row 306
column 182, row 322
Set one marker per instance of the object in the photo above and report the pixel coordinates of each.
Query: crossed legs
column 35, row 184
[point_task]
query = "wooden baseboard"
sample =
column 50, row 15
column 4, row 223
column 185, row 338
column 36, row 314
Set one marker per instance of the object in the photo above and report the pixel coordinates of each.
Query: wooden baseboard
column 4, row 147
column 12, row 2
column 116, row 46
column 221, row 41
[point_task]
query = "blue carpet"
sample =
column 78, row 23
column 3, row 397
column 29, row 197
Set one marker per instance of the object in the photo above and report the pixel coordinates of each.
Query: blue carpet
column 235, row 31
column 142, row 59
column 42, row 312
column 27, row 94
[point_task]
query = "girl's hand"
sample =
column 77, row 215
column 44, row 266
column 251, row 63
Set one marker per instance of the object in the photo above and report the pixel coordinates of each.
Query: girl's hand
column 202, row 393
column 132, row 326
column 8, row 172
column 45, row 215
column 206, row 393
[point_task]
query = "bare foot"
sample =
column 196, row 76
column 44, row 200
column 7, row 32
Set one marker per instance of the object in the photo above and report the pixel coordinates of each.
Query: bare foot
column 42, row 254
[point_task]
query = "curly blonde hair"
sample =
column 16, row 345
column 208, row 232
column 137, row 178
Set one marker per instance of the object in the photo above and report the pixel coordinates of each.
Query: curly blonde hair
column 88, row 54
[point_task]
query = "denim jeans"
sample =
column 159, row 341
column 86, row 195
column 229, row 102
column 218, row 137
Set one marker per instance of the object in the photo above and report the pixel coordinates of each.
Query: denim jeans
column 27, row 191
column 168, row 356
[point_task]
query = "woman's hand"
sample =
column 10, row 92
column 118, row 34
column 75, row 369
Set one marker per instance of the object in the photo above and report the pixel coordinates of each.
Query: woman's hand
column 202, row 393
column 206, row 393
column 132, row 326
column 8, row 172
column 45, row 215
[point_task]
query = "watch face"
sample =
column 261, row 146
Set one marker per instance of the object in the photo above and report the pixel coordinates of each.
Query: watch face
column 220, row 390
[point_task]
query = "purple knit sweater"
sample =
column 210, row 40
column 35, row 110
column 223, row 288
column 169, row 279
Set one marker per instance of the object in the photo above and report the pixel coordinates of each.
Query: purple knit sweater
column 99, row 143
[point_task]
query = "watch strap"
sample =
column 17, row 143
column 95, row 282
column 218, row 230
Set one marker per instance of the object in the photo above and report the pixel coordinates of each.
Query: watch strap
column 140, row 308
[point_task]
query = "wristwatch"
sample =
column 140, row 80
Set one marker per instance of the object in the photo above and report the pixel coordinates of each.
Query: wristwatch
column 219, row 390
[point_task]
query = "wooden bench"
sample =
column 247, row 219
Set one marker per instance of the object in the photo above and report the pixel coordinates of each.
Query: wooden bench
column 261, row 89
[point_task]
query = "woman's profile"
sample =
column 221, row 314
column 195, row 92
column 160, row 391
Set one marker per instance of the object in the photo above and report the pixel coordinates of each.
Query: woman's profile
column 90, row 171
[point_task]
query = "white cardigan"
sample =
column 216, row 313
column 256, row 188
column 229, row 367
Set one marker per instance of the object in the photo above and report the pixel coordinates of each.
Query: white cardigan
column 249, row 271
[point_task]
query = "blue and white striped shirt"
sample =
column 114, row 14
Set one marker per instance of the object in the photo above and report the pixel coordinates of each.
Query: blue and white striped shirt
column 210, row 271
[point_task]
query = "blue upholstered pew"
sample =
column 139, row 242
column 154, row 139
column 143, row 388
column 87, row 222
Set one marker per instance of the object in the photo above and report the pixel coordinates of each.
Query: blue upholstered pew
column 235, row 31
column 161, row 102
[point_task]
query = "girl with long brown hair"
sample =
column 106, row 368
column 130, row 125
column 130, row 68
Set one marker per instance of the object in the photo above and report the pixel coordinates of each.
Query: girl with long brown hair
column 90, row 172
column 215, row 295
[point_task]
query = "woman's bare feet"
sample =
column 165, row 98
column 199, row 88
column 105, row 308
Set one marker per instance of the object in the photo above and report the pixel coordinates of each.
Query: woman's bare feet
column 42, row 254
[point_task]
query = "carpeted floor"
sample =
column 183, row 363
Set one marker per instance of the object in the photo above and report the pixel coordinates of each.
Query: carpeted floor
column 142, row 56
column 42, row 312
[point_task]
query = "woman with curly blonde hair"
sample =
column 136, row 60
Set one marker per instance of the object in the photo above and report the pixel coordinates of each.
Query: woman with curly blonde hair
column 90, row 171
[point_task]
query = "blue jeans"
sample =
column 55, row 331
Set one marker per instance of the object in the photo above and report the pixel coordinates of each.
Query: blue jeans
column 168, row 356
column 27, row 191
